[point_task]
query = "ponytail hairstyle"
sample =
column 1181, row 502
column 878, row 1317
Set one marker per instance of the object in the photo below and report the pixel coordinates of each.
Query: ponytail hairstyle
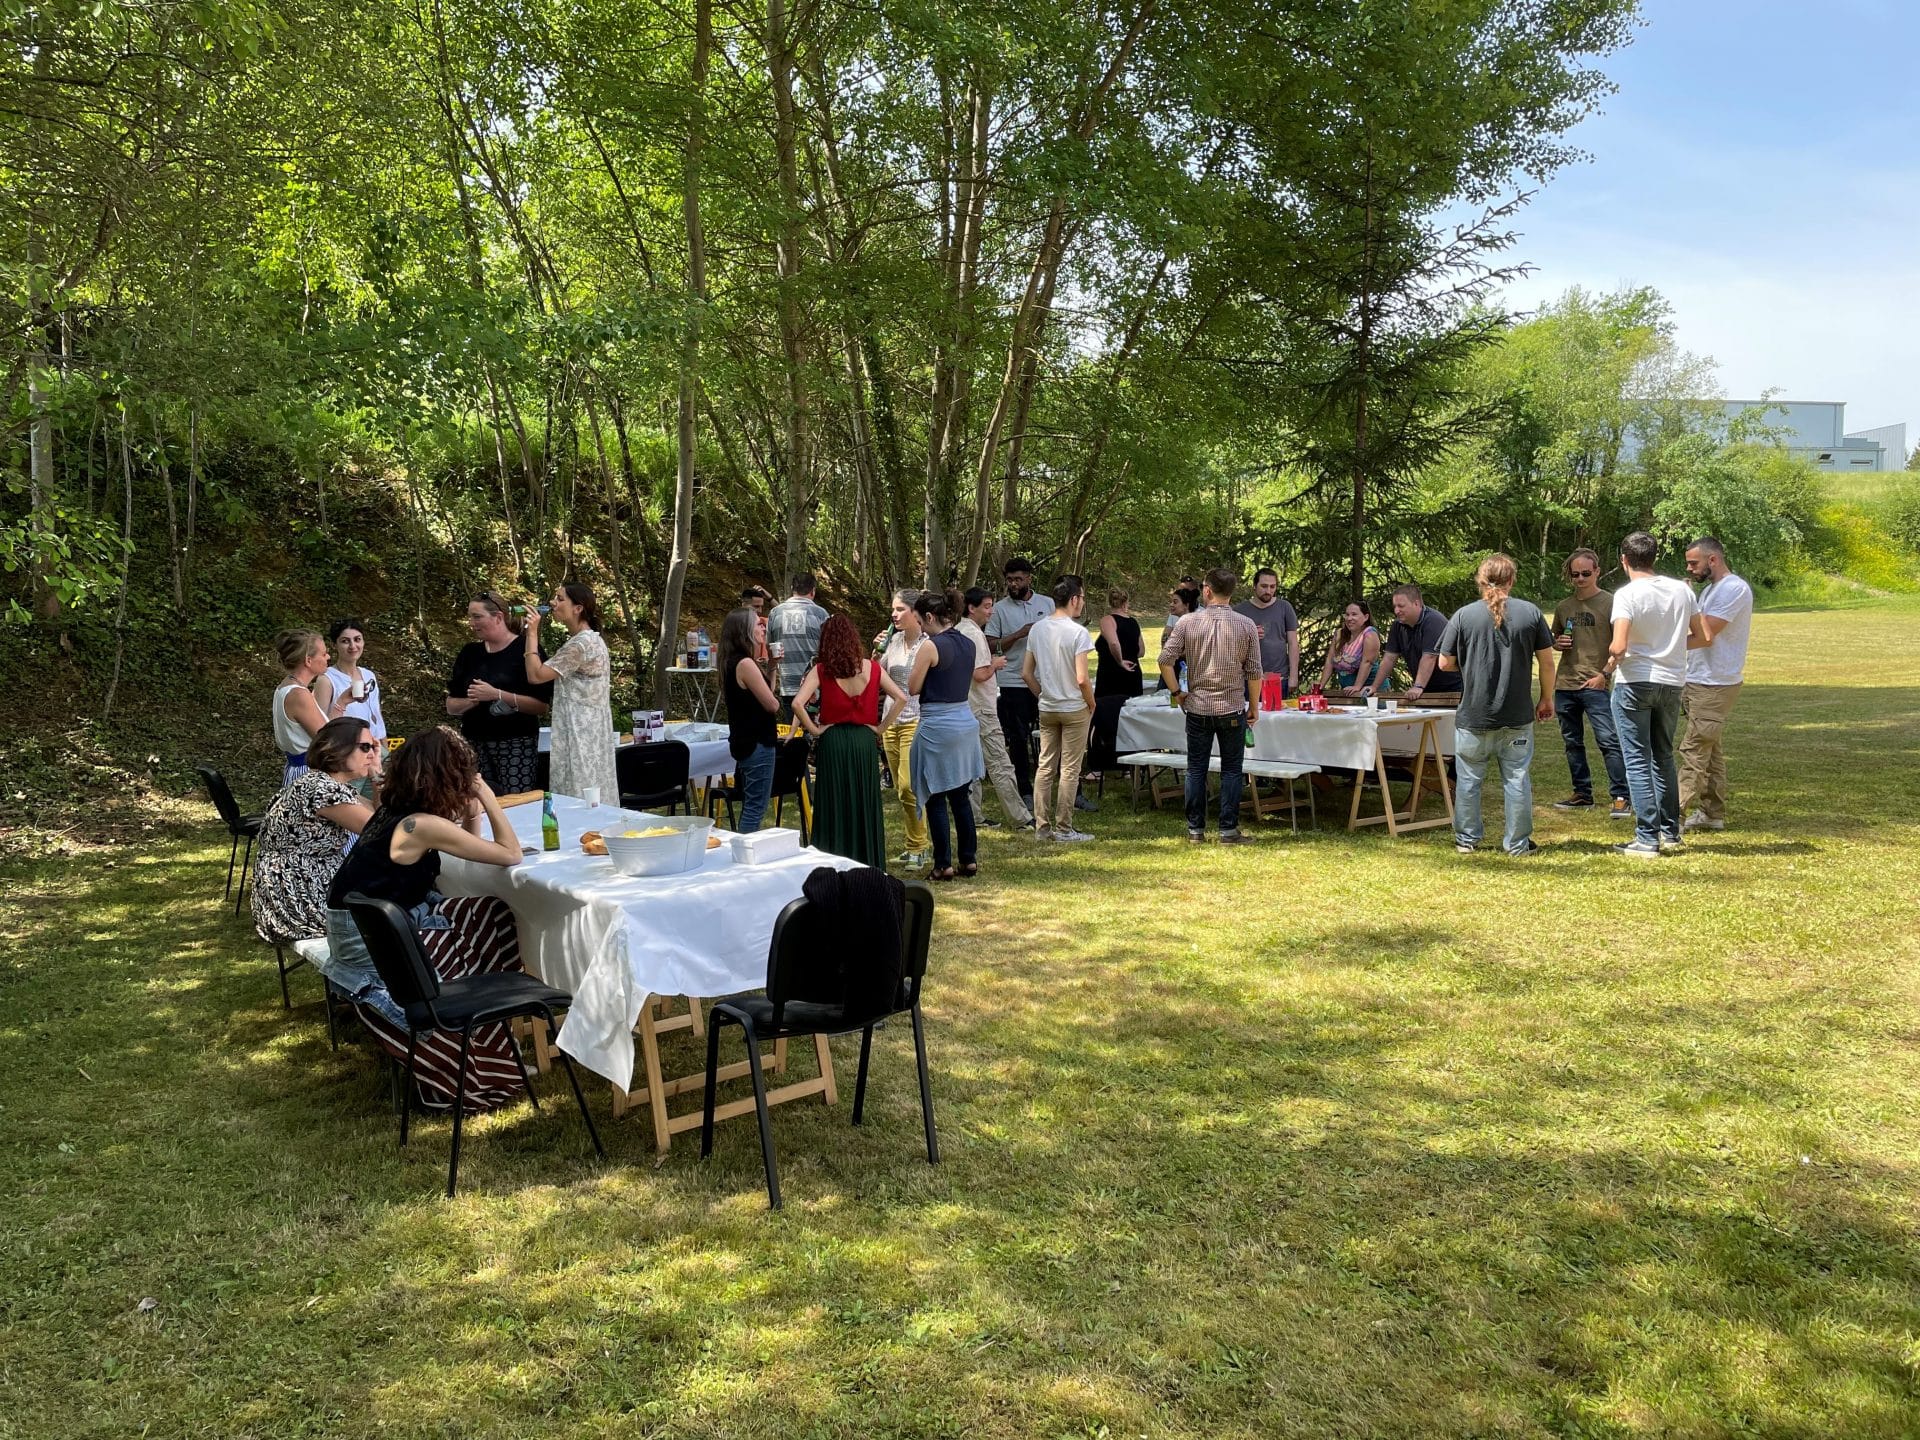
column 1495, row 579
column 295, row 647
column 936, row 605
column 582, row 595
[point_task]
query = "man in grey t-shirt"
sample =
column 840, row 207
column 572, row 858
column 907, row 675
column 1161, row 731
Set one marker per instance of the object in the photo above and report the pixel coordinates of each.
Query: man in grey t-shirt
column 1494, row 645
column 794, row 625
column 1278, row 627
column 1007, row 629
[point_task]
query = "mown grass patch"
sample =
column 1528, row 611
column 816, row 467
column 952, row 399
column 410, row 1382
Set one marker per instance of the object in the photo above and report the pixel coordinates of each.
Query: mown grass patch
column 1332, row 1136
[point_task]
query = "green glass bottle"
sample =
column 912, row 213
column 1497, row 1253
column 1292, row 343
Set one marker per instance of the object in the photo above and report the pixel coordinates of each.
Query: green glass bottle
column 549, row 823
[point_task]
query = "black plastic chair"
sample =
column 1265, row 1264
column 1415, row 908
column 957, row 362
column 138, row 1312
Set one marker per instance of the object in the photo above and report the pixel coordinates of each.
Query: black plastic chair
column 653, row 775
column 455, row 1007
column 775, row 1016
column 240, row 827
column 791, row 758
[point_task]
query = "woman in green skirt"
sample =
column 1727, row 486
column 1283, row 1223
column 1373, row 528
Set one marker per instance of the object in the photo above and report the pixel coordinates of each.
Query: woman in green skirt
column 848, row 818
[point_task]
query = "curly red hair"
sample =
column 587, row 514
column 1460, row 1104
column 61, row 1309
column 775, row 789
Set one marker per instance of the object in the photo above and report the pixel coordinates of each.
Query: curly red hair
column 841, row 654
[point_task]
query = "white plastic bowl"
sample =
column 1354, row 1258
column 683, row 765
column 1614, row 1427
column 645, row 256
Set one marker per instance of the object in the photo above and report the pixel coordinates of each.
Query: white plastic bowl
column 674, row 854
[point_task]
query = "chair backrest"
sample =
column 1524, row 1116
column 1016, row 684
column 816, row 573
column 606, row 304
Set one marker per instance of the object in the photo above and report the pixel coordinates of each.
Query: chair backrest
column 220, row 793
column 652, row 769
column 394, row 948
column 795, row 971
column 789, row 767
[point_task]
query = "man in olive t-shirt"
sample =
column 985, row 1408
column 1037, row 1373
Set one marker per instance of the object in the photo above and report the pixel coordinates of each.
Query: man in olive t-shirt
column 1582, row 630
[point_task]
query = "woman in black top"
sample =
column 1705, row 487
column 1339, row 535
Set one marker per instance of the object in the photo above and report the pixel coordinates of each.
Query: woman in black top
column 1116, row 681
column 433, row 802
column 499, row 710
column 751, row 707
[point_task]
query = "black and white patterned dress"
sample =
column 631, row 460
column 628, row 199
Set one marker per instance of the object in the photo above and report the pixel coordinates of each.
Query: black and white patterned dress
column 299, row 849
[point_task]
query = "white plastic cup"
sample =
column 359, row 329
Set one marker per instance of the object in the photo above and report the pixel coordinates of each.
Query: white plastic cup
column 591, row 794
column 1373, row 703
column 1391, row 706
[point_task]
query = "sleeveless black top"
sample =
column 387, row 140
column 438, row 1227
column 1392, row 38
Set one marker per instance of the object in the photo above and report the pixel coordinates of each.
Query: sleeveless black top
column 1113, row 678
column 948, row 682
column 371, row 868
column 749, row 724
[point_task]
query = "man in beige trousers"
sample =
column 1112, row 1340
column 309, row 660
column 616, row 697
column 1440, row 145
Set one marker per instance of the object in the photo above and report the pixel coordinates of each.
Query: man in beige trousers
column 1056, row 670
column 984, row 700
column 1715, row 672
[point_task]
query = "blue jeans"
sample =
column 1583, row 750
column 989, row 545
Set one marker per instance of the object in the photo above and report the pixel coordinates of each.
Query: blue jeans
column 1508, row 751
column 754, row 776
column 1201, row 732
column 1646, row 716
column 1597, row 707
column 961, row 803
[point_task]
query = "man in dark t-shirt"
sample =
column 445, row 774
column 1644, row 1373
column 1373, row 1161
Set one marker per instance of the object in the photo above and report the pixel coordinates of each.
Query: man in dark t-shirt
column 1493, row 646
column 1414, row 637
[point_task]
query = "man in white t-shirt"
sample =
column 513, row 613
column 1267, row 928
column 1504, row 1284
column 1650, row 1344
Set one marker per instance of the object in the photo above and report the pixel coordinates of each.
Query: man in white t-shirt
column 984, row 700
column 1655, row 620
column 1715, row 672
column 1055, row 670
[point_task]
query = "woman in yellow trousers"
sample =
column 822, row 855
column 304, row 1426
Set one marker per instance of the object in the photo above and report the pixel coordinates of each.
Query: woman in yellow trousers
column 897, row 729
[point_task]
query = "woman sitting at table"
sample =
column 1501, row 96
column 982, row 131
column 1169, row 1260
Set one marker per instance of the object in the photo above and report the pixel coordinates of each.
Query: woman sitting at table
column 1354, row 651
column 297, row 716
column 581, row 672
column 946, row 747
column 434, row 802
column 847, row 815
column 304, row 829
column 752, row 730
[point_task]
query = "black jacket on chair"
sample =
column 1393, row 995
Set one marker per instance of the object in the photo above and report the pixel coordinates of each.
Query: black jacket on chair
column 855, row 957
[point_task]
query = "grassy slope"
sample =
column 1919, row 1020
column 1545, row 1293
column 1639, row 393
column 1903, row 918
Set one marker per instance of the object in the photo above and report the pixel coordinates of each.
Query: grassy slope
column 1337, row 1137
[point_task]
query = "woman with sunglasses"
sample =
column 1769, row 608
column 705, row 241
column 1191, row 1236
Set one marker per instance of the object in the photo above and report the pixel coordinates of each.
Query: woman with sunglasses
column 499, row 708
column 303, row 835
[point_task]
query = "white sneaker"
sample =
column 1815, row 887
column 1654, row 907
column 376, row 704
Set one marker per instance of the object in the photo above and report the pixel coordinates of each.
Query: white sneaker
column 1071, row 836
column 912, row 859
column 1042, row 834
column 1698, row 821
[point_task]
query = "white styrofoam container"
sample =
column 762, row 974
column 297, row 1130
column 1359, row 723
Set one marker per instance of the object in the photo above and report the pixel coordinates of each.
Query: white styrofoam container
column 774, row 843
column 659, row 854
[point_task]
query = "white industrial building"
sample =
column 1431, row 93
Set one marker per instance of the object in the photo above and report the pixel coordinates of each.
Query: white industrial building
column 1817, row 429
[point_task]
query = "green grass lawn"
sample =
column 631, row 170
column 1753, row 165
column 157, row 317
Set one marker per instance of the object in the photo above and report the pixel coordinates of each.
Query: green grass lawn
column 1336, row 1136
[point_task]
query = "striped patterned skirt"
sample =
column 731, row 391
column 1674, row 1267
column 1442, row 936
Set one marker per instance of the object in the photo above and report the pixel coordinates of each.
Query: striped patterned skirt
column 481, row 937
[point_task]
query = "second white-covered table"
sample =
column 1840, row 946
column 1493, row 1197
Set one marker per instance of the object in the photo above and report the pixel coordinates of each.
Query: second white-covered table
column 1345, row 738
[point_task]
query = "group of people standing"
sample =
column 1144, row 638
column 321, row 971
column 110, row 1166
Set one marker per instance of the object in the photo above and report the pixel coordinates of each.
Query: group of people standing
column 1625, row 665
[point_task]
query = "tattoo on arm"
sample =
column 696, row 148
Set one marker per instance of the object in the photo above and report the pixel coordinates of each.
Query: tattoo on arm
column 408, row 823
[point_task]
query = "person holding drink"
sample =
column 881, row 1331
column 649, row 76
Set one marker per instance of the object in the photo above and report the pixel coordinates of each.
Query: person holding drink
column 581, row 673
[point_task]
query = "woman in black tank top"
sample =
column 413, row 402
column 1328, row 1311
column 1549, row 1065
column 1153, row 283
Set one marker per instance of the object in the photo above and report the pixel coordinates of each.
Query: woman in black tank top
column 752, row 732
column 433, row 801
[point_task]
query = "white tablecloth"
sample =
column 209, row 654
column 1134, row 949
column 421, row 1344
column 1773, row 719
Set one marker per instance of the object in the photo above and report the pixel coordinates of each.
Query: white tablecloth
column 613, row 939
column 708, row 757
column 1344, row 740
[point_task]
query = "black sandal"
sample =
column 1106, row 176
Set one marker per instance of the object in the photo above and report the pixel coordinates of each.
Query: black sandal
column 967, row 872
column 946, row 874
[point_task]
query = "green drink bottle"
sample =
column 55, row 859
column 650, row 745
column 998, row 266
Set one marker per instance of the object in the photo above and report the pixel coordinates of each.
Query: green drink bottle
column 549, row 823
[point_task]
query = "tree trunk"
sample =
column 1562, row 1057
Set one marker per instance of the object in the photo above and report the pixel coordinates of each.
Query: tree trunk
column 780, row 63
column 193, row 488
column 126, row 564
column 689, row 358
column 1363, row 356
column 173, row 517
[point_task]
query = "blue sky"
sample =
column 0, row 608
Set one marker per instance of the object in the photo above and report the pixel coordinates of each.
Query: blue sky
column 1760, row 167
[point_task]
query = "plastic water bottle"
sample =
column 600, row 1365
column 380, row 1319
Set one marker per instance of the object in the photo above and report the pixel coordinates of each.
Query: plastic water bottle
column 549, row 823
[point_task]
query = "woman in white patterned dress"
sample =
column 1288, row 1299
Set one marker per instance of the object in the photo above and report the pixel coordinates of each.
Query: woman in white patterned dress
column 582, row 672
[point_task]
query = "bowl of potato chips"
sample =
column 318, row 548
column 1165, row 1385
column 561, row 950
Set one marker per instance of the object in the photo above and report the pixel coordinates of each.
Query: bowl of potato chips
column 658, row 844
